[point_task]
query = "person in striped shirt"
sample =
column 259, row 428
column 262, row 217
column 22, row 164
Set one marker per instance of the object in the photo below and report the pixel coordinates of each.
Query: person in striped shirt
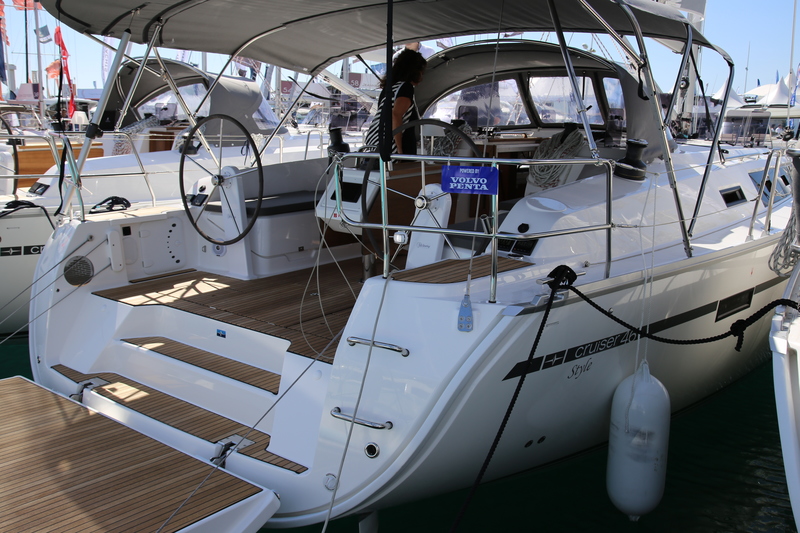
column 407, row 71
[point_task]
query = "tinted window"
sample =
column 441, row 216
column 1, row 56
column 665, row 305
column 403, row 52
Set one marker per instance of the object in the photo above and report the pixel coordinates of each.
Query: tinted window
column 556, row 104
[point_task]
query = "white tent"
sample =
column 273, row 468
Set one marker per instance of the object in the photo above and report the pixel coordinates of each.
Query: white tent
column 779, row 94
column 734, row 100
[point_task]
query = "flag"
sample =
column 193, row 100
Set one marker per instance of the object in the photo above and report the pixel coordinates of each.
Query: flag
column 3, row 76
column 64, row 56
column 796, row 83
column 246, row 62
column 53, row 70
column 105, row 58
column 22, row 5
column 777, row 76
column 43, row 34
column 445, row 42
column 4, row 31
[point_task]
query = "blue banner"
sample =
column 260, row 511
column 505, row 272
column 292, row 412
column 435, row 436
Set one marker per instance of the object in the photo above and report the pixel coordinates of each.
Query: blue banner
column 469, row 180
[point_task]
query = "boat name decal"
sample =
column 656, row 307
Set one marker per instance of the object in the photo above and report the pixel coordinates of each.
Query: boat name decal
column 577, row 370
column 572, row 354
column 10, row 251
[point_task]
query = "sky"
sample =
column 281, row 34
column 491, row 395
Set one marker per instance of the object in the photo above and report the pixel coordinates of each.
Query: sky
column 756, row 34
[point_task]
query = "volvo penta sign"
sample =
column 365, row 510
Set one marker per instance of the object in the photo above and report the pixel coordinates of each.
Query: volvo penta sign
column 469, row 180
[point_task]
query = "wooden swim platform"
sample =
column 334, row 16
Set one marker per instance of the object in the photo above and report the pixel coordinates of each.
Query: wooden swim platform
column 67, row 468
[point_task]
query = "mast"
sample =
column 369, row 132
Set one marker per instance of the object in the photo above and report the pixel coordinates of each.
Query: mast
column 791, row 67
column 39, row 61
column 747, row 66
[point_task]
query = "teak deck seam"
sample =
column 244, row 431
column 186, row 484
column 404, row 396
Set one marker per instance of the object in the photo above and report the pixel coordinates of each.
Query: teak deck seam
column 179, row 414
column 267, row 305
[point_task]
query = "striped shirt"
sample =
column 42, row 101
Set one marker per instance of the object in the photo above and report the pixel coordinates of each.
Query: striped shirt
column 399, row 89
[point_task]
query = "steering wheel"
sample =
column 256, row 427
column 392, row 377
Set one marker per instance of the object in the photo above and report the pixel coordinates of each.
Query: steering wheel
column 229, row 148
column 419, row 200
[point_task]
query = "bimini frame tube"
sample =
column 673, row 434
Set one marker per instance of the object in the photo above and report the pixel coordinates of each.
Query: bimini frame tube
column 713, row 151
column 573, row 79
column 91, row 131
column 189, row 114
column 687, row 51
column 129, row 58
column 138, row 77
column 651, row 84
column 103, row 102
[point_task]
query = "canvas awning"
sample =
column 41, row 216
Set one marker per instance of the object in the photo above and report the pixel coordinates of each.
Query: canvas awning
column 307, row 35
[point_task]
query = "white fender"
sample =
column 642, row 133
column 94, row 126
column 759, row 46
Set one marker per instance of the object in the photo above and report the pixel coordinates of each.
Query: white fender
column 637, row 443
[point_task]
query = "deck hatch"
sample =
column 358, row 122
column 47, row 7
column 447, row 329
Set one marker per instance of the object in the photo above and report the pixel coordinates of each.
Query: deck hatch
column 733, row 196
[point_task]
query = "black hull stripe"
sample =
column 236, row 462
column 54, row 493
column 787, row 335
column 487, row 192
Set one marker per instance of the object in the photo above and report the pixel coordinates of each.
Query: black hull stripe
column 616, row 340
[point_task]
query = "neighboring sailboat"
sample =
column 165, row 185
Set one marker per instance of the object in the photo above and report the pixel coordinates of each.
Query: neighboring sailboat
column 142, row 154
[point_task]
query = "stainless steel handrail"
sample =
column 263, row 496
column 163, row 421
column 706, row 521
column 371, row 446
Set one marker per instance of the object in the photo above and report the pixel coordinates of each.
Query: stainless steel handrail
column 756, row 153
column 352, row 341
column 308, row 140
column 66, row 137
column 336, row 412
column 762, row 185
column 494, row 235
column 75, row 182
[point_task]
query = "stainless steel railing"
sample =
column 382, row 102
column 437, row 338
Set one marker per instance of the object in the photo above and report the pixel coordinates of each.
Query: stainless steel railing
column 493, row 234
column 778, row 156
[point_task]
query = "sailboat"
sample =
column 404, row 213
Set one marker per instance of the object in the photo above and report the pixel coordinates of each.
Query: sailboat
column 242, row 331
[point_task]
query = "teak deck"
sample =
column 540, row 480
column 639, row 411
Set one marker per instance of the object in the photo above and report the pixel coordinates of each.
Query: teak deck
column 65, row 468
column 305, row 308
column 256, row 377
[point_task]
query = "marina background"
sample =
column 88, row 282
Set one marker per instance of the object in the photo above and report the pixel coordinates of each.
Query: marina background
column 724, row 475
column 725, row 471
column 757, row 36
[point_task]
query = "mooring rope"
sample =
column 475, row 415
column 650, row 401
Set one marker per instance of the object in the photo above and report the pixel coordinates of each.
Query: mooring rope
column 563, row 277
column 558, row 276
column 737, row 329
column 16, row 205
column 784, row 256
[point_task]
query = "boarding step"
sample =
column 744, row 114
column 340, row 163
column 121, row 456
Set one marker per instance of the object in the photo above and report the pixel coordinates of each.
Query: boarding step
column 178, row 414
column 65, row 468
column 306, row 308
column 242, row 372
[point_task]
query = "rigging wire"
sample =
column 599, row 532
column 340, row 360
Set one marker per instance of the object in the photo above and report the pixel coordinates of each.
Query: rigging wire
column 66, row 257
column 250, row 430
column 352, row 423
